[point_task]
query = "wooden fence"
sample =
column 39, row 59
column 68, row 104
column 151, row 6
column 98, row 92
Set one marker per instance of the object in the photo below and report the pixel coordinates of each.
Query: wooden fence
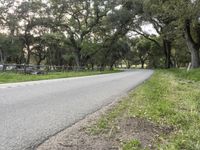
column 43, row 69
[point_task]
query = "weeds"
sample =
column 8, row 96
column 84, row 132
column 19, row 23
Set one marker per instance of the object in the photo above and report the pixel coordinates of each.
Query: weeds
column 169, row 98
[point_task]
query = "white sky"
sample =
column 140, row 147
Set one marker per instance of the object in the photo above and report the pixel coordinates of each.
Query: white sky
column 149, row 29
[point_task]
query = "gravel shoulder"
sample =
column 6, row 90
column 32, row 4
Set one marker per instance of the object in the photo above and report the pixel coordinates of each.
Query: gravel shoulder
column 76, row 131
column 80, row 137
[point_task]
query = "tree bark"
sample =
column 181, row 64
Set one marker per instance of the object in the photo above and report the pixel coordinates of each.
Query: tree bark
column 28, row 54
column 78, row 58
column 28, row 58
column 192, row 45
column 111, row 66
column 38, row 63
column 1, row 57
column 142, row 63
column 128, row 65
column 167, row 52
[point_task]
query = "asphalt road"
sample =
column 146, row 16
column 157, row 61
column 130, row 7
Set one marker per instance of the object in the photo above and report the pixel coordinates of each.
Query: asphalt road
column 31, row 112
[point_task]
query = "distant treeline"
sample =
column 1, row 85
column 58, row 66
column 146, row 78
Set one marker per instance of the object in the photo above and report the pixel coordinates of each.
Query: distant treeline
column 100, row 33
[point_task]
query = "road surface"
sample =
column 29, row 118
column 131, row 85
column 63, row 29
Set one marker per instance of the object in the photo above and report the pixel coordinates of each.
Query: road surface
column 31, row 112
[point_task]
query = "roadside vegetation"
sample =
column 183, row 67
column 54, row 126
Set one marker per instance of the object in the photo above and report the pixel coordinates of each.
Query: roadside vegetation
column 164, row 113
column 193, row 75
column 109, row 33
column 9, row 77
column 103, row 33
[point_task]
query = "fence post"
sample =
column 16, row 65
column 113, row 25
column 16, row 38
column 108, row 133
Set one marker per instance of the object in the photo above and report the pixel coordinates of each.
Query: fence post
column 189, row 67
column 25, row 68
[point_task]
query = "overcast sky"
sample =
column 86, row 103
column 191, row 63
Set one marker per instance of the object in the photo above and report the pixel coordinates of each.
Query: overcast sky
column 149, row 29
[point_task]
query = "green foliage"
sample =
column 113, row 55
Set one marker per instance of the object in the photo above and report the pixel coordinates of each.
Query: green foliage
column 132, row 145
column 169, row 98
column 170, row 101
column 97, row 33
column 10, row 46
column 147, row 52
column 106, row 122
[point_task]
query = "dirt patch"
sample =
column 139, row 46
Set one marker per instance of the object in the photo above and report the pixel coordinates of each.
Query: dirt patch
column 142, row 130
column 128, row 129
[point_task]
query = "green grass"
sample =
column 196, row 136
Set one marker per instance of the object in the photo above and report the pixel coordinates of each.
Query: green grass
column 169, row 98
column 193, row 75
column 132, row 145
column 14, row 77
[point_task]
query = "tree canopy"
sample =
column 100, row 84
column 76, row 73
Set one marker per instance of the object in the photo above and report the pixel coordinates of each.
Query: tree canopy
column 89, row 33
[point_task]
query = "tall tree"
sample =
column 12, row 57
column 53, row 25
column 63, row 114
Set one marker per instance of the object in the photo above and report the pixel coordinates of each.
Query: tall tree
column 31, row 15
column 188, row 14
column 10, row 48
column 162, row 21
column 78, row 18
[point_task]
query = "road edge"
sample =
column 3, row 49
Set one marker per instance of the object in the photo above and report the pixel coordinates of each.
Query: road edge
column 88, row 119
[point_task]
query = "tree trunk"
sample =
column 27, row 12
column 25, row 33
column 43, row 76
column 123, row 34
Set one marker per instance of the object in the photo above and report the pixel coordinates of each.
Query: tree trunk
column 78, row 58
column 102, row 67
column 28, row 58
column 92, row 64
column 167, row 52
column 142, row 63
column 111, row 66
column 28, row 55
column 38, row 63
column 128, row 65
column 1, row 57
column 192, row 45
column 40, row 59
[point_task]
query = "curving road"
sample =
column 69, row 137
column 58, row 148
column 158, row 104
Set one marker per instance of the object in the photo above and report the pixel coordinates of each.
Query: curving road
column 31, row 112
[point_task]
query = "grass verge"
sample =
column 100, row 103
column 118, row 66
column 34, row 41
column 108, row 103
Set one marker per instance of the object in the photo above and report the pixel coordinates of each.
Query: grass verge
column 169, row 102
column 15, row 77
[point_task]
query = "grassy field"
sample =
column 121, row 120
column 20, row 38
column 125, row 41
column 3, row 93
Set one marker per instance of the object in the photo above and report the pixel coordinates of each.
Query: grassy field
column 14, row 77
column 170, row 99
column 193, row 75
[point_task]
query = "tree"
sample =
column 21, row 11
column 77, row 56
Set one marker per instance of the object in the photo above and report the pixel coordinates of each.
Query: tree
column 187, row 12
column 78, row 18
column 54, row 48
column 31, row 18
column 113, row 30
column 10, row 48
column 162, row 21
column 93, row 33
column 142, row 50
